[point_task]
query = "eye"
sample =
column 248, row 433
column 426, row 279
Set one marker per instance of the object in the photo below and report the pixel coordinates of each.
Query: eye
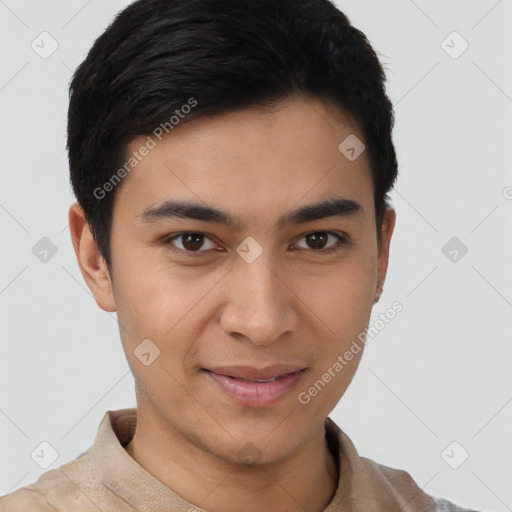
column 189, row 243
column 193, row 244
column 319, row 241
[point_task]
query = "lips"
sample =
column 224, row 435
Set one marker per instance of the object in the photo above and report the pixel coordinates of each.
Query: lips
column 256, row 387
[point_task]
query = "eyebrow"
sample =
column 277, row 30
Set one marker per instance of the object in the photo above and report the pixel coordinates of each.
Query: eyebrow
column 175, row 209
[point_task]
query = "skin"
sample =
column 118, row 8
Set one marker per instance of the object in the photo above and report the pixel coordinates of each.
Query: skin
column 294, row 304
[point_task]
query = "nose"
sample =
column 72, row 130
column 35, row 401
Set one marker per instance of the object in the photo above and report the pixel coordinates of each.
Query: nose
column 260, row 304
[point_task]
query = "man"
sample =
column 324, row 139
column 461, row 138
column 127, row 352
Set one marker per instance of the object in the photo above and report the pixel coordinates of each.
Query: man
column 231, row 161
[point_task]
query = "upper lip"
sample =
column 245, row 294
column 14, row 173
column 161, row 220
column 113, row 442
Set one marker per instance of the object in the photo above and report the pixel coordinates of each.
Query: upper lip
column 250, row 372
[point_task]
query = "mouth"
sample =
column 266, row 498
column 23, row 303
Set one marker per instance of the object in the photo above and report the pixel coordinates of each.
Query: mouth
column 251, row 373
column 254, row 387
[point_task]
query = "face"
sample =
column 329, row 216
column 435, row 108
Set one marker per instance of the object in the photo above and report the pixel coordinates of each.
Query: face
column 247, row 299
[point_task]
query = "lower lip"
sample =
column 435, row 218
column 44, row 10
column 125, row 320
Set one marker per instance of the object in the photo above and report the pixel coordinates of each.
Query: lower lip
column 256, row 394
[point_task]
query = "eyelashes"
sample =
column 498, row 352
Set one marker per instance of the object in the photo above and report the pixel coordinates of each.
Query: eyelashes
column 196, row 244
column 341, row 241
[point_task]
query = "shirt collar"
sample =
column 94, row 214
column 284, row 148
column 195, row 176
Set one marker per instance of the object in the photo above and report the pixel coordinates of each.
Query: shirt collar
column 121, row 474
column 362, row 485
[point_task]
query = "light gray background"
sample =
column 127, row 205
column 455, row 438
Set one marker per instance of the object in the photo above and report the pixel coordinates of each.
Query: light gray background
column 439, row 372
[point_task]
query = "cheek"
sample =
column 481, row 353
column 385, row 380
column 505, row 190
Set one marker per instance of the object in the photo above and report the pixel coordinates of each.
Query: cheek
column 161, row 302
column 150, row 307
column 342, row 298
column 148, row 297
column 341, row 307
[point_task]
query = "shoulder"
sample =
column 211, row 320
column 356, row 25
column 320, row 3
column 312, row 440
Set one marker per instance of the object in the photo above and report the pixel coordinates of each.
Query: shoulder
column 65, row 488
column 24, row 499
column 402, row 487
column 367, row 482
column 442, row 505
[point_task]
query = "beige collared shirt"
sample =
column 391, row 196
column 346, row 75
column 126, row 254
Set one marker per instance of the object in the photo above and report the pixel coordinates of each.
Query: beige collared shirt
column 105, row 478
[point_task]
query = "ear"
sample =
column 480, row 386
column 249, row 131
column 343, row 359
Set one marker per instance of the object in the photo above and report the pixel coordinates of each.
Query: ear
column 388, row 225
column 92, row 265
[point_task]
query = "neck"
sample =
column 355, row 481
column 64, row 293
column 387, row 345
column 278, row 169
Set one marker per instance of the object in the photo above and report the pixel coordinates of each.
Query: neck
column 303, row 482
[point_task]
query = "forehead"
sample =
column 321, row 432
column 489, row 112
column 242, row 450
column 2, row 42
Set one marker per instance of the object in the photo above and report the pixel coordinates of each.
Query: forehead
column 256, row 161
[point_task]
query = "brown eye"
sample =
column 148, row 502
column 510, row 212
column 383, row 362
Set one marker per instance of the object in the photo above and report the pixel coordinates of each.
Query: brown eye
column 317, row 240
column 322, row 242
column 192, row 241
column 189, row 243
